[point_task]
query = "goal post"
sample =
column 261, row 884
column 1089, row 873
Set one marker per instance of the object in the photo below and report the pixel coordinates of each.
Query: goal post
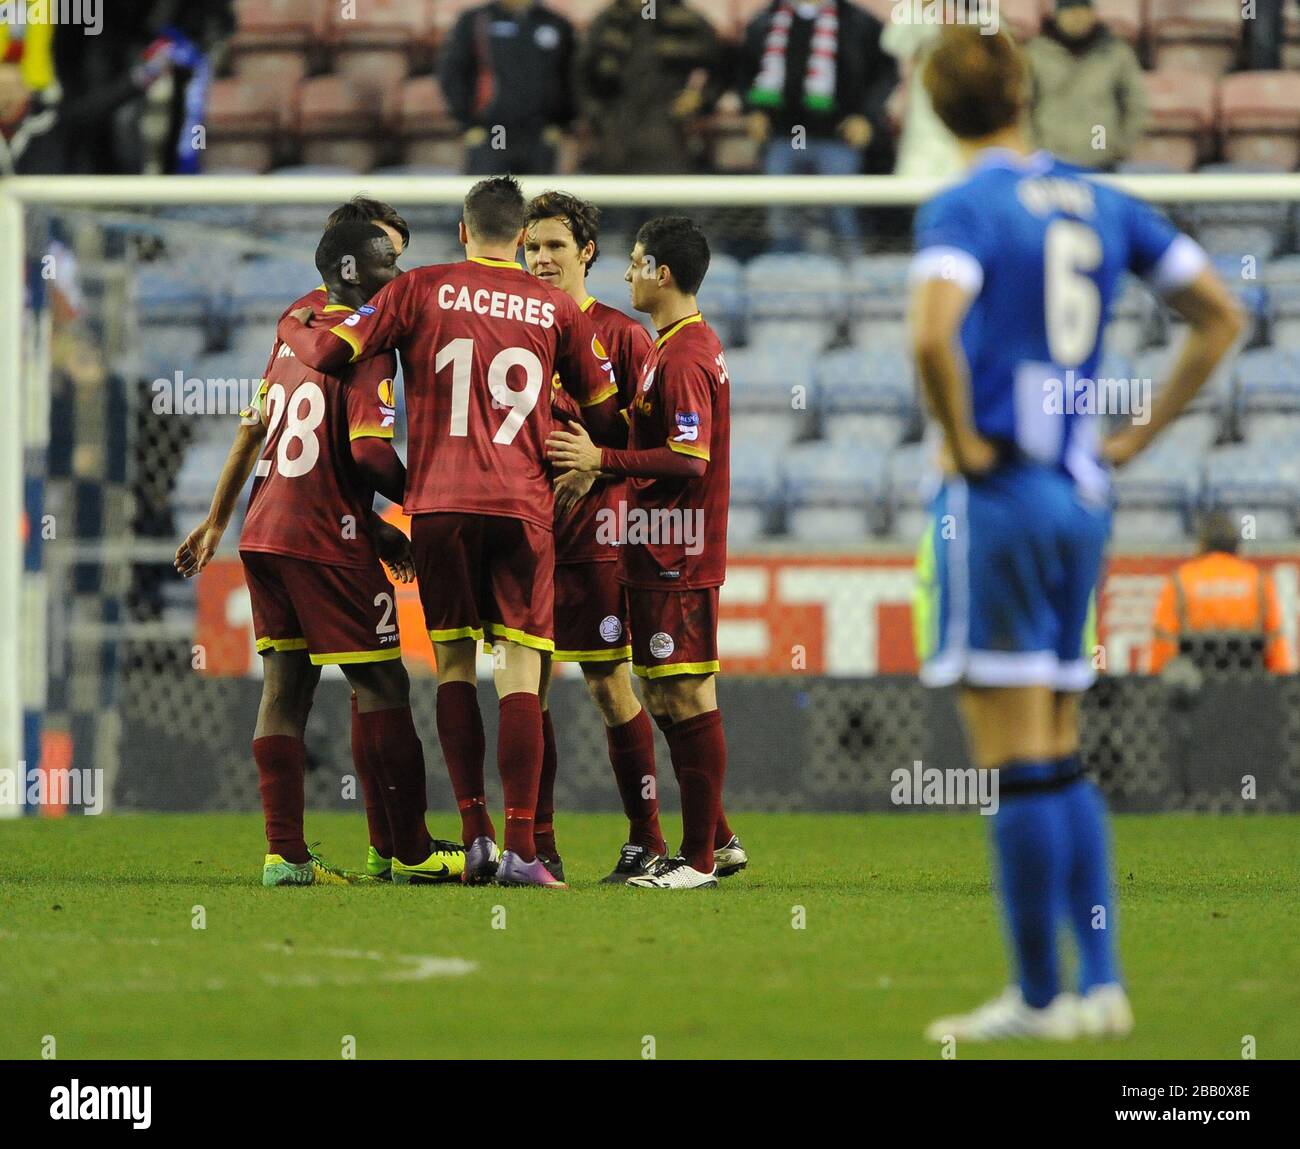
column 155, row 208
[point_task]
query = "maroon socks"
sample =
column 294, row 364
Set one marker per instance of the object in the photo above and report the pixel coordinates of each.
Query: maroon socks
column 281, row 764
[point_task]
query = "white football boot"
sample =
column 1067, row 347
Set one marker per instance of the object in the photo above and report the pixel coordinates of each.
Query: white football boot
column 675, row 874
column 1104, row 1011
column 1008, row 1017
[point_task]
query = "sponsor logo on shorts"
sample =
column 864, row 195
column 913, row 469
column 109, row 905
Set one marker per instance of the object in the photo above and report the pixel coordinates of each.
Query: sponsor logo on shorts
column 611, row 628
column 662, row 645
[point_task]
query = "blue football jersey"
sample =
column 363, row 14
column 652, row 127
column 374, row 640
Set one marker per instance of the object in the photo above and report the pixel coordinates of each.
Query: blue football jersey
column 1043, row 248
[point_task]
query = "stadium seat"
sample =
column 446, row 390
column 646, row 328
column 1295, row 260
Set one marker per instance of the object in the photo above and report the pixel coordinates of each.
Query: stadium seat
column 1284, row 314
column 1269, row 380
column 795, row 295
column 1132, row 319
column 244, row 120
column 911, row 480
column 275, row 41
column 260, row 288
column 428, row 133
column 766, row 381
column 1155, row 494
column 756, row 483
column 1259, row 480
column 170, row 294
column 721, row 298
column 1215, row 397
column 377, row 45
column 336, row 124
column 1259, row 114
column 1126, row 18
column 864, row 381
column 1181, row 132
column 1195, row 35
column 834, row 492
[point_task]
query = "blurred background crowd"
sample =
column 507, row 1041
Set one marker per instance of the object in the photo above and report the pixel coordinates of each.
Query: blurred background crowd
column 778, row 86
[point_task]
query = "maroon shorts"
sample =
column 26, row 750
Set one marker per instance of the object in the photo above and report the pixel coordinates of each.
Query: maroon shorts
column 590, row 614
column 336, row 614
column 673, row 631
column 485, row 577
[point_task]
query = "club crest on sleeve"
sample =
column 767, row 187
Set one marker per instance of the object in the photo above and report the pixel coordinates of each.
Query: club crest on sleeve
column 662, row 645
column 598, row 348
column 365, row 309
column 386, row 393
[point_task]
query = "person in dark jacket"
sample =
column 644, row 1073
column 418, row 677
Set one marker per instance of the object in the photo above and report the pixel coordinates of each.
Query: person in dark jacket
column 507, row 73
column 816, row 82
column 647, row 82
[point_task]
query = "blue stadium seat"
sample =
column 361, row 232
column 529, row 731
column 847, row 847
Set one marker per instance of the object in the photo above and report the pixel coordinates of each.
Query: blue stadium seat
column 170, row 294
column 756, row 484
column 913, row 479
column 794, row 295
column 722, row 298
column 865, row 381
column 1156, row 493
column 765, row 378
column 1132, row 319
column 834, row 492
column 1217, row 394
column 261, row 288
column 1269, row 380
column 1258, row 479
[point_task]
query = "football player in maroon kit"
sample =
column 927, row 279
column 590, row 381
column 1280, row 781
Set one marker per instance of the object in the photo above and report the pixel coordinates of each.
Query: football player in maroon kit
column 249, row 440
column 674, row 552
column 590, row 603
column 319, row 593
column 480, row 342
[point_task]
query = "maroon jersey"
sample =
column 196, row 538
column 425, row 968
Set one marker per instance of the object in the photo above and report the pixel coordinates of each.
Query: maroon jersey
column 309, row 500
column 578, row 538
column 480, row 342
column 675, row 536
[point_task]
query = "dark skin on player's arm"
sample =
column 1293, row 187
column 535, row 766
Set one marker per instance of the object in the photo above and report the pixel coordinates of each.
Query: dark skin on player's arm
column 318, row 347
column 392, row 546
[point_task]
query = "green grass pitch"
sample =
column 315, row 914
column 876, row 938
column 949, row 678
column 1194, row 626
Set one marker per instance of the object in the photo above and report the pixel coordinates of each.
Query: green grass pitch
column 98, row 949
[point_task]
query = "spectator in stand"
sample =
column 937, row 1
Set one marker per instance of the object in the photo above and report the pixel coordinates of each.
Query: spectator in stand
column 71, row 95
column 816, row 82
column 1088, row 104
column 926, row 148
column 647, row 82
column 1219, row 592
column 507, row 73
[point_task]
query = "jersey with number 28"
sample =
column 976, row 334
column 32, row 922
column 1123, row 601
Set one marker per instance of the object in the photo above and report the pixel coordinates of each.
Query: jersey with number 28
column 309, row 500
column 1043, row 249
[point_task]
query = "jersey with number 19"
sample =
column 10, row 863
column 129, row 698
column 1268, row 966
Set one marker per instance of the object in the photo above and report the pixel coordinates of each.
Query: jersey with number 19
column 1040, row 249
column 480, row 342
